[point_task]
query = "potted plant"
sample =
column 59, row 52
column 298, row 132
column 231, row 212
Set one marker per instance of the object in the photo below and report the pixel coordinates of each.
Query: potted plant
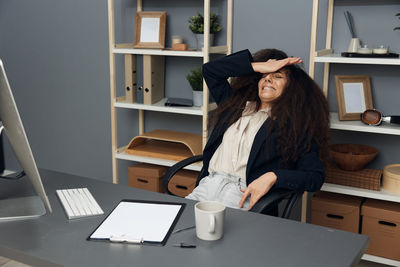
column 197, row 27
column 397, row 28
column 195, row 79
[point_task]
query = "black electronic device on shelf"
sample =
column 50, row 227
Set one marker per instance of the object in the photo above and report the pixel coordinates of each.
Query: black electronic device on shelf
column 179, row 102
column 388, row 55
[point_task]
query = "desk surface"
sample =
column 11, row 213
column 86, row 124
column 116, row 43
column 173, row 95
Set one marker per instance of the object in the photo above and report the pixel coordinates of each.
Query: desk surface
column 249, row 238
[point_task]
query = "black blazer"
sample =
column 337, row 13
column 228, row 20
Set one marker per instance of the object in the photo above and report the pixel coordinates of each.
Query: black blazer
column 307, row 174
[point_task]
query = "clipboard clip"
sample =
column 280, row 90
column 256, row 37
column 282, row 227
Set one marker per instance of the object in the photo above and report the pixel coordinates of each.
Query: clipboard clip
column 126, row 239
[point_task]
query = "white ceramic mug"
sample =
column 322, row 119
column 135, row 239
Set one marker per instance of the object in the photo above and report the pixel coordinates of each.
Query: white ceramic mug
column 209, row 217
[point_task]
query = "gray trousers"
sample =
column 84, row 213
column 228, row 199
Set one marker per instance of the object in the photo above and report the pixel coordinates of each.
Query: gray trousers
column 221, row 187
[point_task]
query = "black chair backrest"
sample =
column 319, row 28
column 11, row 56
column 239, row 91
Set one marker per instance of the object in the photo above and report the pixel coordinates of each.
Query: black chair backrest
column 272, row 199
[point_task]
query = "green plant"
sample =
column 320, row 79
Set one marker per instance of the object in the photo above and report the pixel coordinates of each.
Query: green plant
column 397, row 28
column 197, row 24
column 195, row 79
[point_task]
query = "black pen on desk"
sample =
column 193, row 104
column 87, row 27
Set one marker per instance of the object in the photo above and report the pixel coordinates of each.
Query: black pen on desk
column 183, row 229
column 184, row 245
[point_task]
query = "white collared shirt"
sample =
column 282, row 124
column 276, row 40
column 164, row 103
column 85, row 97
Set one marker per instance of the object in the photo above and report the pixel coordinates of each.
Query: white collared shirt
column 233, row 153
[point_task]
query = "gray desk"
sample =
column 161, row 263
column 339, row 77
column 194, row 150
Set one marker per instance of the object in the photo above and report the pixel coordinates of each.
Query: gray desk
column 250, row 239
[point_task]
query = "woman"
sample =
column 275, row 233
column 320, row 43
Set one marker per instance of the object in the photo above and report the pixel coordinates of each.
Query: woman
column 271, row 131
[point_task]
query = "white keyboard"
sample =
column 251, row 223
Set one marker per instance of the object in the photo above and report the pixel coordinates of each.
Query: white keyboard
column 78, row 203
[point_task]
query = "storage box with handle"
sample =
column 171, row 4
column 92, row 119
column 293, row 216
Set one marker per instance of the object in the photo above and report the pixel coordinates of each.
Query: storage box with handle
column 147, row 176
column 381, row 222
column 336, row 211
column 183, row 183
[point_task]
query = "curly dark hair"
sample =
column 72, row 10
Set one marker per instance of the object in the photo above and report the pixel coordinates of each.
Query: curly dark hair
column 301, row 112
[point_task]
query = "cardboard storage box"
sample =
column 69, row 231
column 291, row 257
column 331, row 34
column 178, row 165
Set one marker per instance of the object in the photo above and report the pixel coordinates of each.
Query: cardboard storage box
column 183, row 183
column 336, row 211
column 381, row 222
column 147, row 176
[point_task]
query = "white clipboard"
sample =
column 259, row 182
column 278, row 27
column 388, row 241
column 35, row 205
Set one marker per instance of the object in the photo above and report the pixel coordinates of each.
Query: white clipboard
column 139, row 222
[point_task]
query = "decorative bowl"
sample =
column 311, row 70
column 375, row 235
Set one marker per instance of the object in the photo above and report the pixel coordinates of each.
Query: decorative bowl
column 352, row 157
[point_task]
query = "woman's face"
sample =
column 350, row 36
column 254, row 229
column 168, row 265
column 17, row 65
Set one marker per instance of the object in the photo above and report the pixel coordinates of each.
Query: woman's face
column 271, row 86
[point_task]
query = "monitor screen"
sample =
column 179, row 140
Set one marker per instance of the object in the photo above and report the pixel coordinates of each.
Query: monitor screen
column 15, row 132
column 1, row 154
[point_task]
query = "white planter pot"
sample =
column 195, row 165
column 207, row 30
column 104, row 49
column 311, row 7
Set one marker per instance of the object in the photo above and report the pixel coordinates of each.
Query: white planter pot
column 200, row 40
column 197, row 98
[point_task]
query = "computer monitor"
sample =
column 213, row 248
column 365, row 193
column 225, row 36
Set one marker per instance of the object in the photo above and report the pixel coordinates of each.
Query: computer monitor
column 1, row 155
column 19, row 207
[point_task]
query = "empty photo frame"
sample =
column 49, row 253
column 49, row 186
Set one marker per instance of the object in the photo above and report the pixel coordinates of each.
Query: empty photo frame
column 353, row 93
column 150, row 29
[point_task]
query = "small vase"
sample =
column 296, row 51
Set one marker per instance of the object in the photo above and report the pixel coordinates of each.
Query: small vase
column 200, row 40
column 197, row 98
column 354, row 45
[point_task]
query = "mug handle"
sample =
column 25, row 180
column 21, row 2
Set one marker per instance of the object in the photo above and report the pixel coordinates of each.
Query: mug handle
column 211, row 228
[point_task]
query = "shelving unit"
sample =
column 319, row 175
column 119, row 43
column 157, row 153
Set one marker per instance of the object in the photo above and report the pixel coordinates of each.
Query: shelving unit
column 336, row 58
column 120, row 102
column 358, row 126
column 327, row 57
column 360, row 192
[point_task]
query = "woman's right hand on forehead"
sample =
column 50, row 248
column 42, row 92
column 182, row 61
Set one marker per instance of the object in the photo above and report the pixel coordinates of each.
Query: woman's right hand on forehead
column 274, row 65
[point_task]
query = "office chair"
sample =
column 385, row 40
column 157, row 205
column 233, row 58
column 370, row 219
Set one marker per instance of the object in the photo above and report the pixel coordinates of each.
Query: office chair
column 263, row 206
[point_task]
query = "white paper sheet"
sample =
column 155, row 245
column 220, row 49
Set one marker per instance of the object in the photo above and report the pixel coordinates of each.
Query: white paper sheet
column 354, row 97
column 147, row 221
column 149, row 31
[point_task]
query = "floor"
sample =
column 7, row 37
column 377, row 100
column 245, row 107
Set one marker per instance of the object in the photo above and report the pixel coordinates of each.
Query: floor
column 4, row 262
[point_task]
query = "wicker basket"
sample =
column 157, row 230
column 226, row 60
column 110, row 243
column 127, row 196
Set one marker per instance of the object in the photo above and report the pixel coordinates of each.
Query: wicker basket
column 365, row 178
column 391, row 178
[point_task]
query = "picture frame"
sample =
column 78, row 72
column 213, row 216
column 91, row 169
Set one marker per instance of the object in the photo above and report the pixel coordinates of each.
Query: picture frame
column 150, row 29
column 353, row 93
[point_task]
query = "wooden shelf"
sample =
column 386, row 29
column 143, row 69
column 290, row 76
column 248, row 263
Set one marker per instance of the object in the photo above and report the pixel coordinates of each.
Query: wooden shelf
column 160, row 107
column 155, row 59
column 336, row 58
column 381, row 260
column 328, row 56
column 358, row 126
column 360, row 192
column 120, row 154
column 129, row 49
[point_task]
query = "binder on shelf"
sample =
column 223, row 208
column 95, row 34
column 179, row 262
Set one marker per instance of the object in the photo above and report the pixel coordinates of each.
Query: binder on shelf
column 130, row 78
column 139, row 222
column 153, row 79
column 165, row 144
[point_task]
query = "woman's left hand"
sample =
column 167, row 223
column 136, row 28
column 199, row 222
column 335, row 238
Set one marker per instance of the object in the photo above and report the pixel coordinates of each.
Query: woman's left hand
column 258, row 188
column 273, row 65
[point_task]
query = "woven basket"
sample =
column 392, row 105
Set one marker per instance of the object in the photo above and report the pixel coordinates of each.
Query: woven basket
column 365, row 178
column 352, row 157
column 391, row 178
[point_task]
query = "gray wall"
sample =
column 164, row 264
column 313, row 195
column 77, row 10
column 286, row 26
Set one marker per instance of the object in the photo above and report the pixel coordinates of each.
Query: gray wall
column 56, row 57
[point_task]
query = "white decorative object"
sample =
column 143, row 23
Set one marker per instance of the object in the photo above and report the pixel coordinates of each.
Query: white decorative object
column 176, row 39
column 365, row 50
column 354, row 45
column 380, row 50
column 197, row 98
column 200, row 40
